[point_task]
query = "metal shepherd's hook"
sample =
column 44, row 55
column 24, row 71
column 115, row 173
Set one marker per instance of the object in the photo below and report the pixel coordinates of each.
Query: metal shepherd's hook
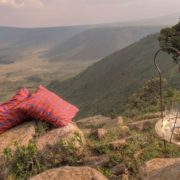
column 177, row 54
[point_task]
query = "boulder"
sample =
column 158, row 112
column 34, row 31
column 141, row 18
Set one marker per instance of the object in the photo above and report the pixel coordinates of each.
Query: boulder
column 20, row 135
column 176, row 134
column 70, row 133
column 143, row 124
column 117, row 144
column 70, row 173
column 95, row 161
column 121, row 177
column 147, row 116
column 125, row 130
column 89, row 124
column 101, row 133
column 93, row 122
column 119, row 170
column 125, row 177
column 119, row 121
column 161, row 169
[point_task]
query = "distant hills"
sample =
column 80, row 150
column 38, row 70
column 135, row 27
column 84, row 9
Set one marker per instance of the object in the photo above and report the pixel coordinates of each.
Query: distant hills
column 91, row 42
column 16, row 43
column 83, row 42
column 165, row 20
column 104, row 87
column 96, row 43
column 37, row 36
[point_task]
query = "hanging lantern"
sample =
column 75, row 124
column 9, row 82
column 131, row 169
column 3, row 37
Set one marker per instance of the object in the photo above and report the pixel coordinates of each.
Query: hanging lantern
column 168, row 127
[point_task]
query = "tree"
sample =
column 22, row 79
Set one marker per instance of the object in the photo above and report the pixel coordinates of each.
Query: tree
column 170, row 37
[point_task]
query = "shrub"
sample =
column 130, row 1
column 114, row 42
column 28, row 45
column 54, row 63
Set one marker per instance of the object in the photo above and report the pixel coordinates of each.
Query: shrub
column 24, row 162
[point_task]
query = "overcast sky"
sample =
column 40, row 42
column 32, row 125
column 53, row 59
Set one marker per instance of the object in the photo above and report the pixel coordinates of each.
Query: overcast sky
column 36, row 13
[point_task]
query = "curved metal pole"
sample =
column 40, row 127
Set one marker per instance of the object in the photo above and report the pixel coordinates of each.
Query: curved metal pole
column 160, row 74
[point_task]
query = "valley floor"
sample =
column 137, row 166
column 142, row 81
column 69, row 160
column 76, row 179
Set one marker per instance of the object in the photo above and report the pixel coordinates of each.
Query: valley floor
column 32, row 70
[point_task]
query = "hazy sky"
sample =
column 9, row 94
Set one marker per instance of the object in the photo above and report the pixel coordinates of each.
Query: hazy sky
column 33, row 13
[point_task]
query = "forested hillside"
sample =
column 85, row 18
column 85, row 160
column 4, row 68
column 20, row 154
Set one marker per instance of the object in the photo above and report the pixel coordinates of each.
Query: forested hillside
column 104, row 87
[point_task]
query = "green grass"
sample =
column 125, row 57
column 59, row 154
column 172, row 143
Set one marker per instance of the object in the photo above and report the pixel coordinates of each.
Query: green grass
column 28, row 161
column 24, row 162
column 141, row 147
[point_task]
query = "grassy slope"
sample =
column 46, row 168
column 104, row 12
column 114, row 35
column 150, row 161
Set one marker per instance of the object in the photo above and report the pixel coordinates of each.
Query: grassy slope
column 104, row 87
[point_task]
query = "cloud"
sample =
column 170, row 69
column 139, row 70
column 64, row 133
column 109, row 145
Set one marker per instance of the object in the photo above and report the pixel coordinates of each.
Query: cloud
column 21, row 3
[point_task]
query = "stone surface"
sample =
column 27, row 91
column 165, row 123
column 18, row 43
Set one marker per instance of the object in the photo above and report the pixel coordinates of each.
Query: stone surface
column 21, row 135
column 90, row 124
column 164, row 130
column 125, row 130
column 93, row 122
column 95, row 161
column 121, row 177
column 101, row 133
column 70, row 173
column 176, row 133
column 143, row 124
column 147, row 116
column 162, row 169
column 119, row 170
column 117, row 144
column 119, row 120
column 124, row 177
column 70, row 133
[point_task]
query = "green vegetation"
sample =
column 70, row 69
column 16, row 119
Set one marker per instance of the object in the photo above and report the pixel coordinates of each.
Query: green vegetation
column 27, row 161
column 141, row 147
column 105, row 171
column 104, row 87
column 24, row 162
column 147, row 98
column 170, row 37
column 42, row 128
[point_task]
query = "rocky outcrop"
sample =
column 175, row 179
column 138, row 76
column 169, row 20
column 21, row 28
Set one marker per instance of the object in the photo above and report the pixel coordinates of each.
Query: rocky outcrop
column 119, row 120
column 88, row 125
column 101, row 133
column 143, row 124
column 93, row 122
column 70, row 133
column 95, row 161
column 117, row 144
column 119, row 170
column 20, row 135
column 125, row 130
column 47, row 143
column 162, row 169
column 70, row 173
